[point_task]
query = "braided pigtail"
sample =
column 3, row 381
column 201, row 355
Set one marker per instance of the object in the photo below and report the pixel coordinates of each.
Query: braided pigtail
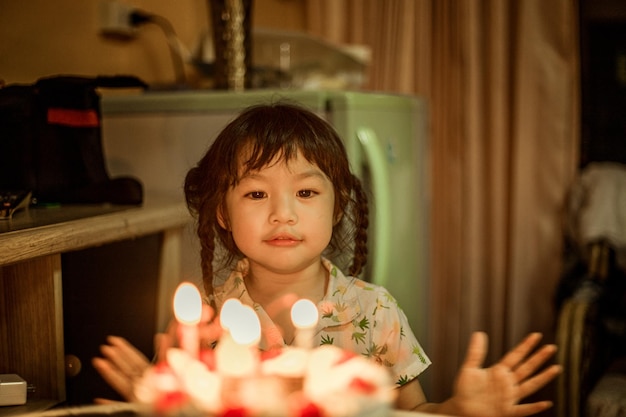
column 360, row 213
column 206, row 236
column 199, row 203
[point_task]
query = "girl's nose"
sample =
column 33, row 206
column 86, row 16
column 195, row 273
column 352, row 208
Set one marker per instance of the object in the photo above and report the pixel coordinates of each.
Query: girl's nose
column 283, row 210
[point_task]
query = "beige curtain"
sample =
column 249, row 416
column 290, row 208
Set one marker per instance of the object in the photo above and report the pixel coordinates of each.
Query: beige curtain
column 501, row 79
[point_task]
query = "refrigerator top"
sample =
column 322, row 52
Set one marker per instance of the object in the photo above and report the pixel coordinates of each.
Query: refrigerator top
column 209, row 100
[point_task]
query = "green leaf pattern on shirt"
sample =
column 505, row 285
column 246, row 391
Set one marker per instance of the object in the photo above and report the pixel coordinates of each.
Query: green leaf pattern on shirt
column 327, row 340
column 377, row 353
column 363, row 324
column 403, row 380
column 359, row 337
column 417, row 351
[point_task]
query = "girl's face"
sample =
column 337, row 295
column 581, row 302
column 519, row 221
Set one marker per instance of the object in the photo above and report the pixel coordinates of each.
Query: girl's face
column 281, row 216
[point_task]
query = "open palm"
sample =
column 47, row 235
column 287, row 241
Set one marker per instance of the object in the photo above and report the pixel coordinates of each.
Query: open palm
column 498, row 390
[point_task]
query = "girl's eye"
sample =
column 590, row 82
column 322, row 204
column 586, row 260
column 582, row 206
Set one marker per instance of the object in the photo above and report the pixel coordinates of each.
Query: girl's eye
column 306, row 193
column 256, row 195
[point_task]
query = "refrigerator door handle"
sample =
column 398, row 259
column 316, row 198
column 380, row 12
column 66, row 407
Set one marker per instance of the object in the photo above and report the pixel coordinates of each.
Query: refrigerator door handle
column 375, row 158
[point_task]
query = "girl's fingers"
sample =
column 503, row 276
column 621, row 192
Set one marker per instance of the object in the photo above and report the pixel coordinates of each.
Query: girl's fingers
column 210, row 333
column 126, row 349
column 208, row 313
column 532, row 385
column 162, row 342
column 529, row 409
column 517, row 355
column 125, row 357
column 116, row 379
column 104, row 401
column 530, row 365
column 476, row 351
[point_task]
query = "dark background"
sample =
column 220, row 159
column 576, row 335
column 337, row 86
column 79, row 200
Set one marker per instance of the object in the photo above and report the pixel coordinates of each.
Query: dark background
column 603, row 74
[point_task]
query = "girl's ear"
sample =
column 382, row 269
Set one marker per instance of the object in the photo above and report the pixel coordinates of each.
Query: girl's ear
column 338, row 217
column 221, row 219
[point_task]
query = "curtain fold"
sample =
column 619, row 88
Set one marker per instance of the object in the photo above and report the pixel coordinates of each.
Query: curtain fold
column 502, row 84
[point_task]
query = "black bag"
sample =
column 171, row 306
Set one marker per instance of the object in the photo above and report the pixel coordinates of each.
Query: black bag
column 51, row 143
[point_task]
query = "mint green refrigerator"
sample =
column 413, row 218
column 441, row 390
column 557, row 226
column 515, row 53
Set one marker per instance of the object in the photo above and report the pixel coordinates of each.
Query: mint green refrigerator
column 158, row 136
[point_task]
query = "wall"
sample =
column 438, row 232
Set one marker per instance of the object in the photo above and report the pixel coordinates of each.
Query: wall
column 42, row 38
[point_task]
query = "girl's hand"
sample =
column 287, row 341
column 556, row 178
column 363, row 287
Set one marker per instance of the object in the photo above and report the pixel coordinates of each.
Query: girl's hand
column 209, row 332
column 497, row 391
column 121, row 363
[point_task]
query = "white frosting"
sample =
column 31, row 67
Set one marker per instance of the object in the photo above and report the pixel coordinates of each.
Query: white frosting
column 338, row 383
column 292, row 362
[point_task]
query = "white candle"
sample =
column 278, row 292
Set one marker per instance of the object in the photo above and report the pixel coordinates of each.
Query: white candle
column 304, row 316
column 188, row 311
column 236, row 354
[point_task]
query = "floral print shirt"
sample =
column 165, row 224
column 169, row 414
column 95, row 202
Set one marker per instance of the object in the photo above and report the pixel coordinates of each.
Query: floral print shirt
column 354, row 315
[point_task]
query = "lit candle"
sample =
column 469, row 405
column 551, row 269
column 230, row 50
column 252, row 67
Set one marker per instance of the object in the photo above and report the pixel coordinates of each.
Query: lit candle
column 188, row 311
column 228, row 313
column 236, row 354
column 246, row 330
column 304, row 316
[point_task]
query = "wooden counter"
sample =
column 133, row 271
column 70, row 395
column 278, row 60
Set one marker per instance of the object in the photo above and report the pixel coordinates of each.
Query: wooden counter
column 31, row 281
column 48, row 230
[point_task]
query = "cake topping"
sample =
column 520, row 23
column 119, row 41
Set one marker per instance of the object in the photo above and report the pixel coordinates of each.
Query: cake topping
column 237, row 380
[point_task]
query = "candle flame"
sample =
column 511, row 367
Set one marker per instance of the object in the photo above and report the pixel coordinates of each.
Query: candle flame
column 247, row 330
column 187, row 304
column 241, row 321
column 304, row 314
column 228, row 313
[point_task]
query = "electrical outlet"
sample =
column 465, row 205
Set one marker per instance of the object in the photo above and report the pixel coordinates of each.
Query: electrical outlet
column 115, row 20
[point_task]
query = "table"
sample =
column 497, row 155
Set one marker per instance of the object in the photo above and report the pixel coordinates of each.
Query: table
column 31, row 296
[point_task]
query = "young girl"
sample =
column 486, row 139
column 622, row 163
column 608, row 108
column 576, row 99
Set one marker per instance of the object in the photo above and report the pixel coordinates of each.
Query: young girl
column 275, row 201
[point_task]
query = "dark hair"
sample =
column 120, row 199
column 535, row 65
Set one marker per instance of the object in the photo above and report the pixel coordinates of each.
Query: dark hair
column 264, row 132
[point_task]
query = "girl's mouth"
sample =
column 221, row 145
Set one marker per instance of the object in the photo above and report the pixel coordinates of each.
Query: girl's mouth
column 283, row 241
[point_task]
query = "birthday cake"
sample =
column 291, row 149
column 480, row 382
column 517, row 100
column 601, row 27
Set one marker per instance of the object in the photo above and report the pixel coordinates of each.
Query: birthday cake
column 324, row 382
column 237, row 380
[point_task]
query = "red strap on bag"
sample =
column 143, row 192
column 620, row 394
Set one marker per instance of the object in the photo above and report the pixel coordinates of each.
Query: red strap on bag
column 72, row 117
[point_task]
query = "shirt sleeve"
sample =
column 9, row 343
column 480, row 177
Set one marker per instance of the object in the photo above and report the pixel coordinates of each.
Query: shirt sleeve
column 393, row 342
